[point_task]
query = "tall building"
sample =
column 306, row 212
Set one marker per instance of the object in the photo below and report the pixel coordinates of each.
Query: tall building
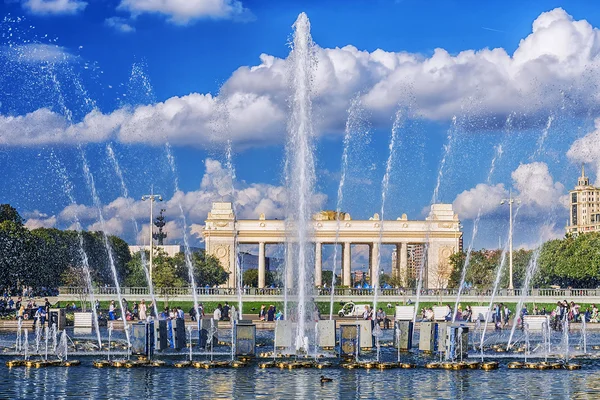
column 585, row 207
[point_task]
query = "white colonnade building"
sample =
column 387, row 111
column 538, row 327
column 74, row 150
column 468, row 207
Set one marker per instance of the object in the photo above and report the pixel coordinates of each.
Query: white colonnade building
column 439, row 233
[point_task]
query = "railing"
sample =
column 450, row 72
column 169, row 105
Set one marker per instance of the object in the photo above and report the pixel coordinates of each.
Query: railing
column 400, row 292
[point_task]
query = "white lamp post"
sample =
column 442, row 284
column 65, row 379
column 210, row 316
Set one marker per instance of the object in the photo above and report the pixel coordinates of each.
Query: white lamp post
column 152, row 197
column 510, row 202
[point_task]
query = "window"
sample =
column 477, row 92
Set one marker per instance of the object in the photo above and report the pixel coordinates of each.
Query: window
column 574, row 198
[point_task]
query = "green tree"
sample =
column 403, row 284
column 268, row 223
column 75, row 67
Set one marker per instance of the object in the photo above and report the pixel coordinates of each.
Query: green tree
column 166, row 273
column 207, row 268
column 326, row 278
column 9, row 213
column 250, row 278
column 136, row 276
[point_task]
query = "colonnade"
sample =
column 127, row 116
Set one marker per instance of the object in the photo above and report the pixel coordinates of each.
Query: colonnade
column 399, row 266
column 223, row 233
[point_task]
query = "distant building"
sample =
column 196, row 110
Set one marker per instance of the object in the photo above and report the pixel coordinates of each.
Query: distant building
column 414, row 262
column 585, row 207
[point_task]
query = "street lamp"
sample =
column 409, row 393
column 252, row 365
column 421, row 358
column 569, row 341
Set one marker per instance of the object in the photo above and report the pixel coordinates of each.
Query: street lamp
column 510, row 202
column 152, row 197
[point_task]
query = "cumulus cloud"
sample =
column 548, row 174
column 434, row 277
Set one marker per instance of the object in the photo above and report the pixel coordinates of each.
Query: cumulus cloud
column 558, row 61
column 251, row 200
column 119, row 24
column 54, row 7
column 184, row 11
column 586, row 150
column 533, row 186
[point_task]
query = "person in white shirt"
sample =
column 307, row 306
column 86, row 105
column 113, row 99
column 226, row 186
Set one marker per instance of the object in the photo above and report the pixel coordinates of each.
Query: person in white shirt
column 217, row 313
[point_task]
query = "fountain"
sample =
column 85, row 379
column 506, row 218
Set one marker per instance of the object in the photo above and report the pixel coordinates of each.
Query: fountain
column 351, row 126
column 92, row 187
column 238, row 267
column 68, row 188
column 434, row 199
column 463, row 274
column 187, row 252
column 300, row 179
column 385, row 183
column 125, row 193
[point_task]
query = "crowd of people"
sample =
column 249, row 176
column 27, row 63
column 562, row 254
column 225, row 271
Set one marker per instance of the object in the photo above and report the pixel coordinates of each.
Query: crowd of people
column 25, row 308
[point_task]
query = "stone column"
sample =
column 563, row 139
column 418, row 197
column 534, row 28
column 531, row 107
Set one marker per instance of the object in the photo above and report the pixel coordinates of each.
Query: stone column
column 261, row 265
column 374, row 263
column 346, row 264
column 402, row 259
column 318, row 265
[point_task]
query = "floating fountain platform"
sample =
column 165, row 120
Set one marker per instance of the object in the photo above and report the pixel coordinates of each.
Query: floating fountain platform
column 433, row 365
column 182, row 364
column 268, row 364
column 490, row 365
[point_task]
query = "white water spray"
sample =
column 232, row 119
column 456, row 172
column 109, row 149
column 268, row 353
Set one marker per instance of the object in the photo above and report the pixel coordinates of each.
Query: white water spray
column 300, row 175
column 385, row 183
column 434, row 200
column 125, row 193
column 351, row 126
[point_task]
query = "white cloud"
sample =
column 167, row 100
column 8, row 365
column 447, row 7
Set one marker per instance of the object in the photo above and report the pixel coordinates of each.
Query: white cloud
column 586, row 150
column 35, row 53
column 54, row 7
column 484, row 196
column 536, row 186
column 251, row 200
column 533, row 186
column 37, row 219
column 184, row 11
column 119, row 24
column 558, row 61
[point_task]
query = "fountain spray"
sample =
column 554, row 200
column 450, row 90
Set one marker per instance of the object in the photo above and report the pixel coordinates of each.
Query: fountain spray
column 385, row 183
column 463, row 275
column 111, row 258
column 125, row 193
column 434, row 199
column 238, row 267
column 352, row 124
column 300, row 174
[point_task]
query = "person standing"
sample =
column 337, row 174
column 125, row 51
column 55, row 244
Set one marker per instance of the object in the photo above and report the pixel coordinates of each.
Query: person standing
column 142, row 310
column 111, row 310
column 225, row 312
column 217, row 313
column 271, row 313
column 262, row 314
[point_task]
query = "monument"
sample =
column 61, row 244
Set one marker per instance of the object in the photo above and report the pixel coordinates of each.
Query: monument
column 439, row 232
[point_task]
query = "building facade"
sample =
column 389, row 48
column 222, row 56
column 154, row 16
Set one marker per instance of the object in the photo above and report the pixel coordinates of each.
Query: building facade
column 584, row 214
column 440, row 230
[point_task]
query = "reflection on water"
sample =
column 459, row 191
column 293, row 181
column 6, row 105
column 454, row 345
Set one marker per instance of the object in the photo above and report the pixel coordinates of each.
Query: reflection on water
column 88, row 382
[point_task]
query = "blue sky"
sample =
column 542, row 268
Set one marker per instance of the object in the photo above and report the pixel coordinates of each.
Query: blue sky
column 77, row 56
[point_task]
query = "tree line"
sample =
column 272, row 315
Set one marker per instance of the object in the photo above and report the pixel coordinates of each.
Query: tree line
column 567, row 262
column 46, row 258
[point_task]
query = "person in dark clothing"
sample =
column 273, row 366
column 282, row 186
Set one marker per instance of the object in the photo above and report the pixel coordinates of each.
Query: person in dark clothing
column 225, row 312
column 271, row 313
